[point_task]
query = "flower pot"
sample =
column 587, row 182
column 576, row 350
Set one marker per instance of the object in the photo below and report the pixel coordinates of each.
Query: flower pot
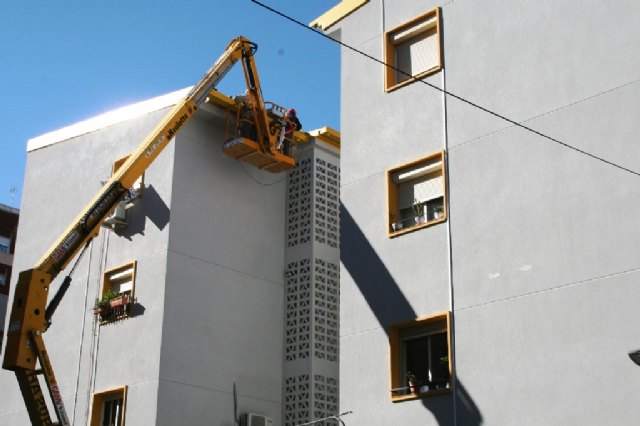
column 121, row 300
column 413, row 387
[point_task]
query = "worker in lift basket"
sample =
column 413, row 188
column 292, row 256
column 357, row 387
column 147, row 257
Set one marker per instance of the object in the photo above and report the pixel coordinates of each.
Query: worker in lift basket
column 293, row 123
column 246, row 126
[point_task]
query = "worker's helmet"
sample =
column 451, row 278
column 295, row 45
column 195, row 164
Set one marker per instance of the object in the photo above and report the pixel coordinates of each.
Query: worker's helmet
column 292, row 111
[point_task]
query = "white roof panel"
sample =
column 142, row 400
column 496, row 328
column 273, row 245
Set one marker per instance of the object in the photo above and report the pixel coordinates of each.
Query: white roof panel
column 107, row 119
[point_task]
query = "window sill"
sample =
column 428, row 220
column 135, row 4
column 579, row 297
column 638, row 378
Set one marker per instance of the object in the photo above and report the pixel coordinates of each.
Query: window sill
column 393, row 234
column 420, row 395
column 413, row 79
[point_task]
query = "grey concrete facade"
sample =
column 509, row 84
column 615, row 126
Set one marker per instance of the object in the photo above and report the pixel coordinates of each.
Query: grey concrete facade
column 59, row 181
column 536, row 261
column 209, row 237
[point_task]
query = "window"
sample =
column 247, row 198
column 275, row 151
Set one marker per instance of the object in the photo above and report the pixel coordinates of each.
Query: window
column 5, row 244
column 414, row 49
column 420, row 357
column 416, row 194
column 5, row 277
column 117, row 293
column 120, row 279
column 108, row 407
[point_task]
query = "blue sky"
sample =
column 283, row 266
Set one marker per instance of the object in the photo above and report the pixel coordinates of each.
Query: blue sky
column 63, row 62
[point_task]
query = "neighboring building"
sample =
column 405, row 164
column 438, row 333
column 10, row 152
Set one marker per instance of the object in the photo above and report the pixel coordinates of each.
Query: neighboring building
column 216, row 258
column 498, row 266
column 8, row 231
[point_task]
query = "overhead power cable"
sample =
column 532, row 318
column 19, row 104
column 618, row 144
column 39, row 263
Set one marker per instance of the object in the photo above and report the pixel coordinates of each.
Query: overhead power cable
column 446, row 92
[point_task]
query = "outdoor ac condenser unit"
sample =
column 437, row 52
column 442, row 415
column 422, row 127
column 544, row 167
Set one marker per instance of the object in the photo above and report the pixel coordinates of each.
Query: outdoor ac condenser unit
column 118, row 218
column 252, row 419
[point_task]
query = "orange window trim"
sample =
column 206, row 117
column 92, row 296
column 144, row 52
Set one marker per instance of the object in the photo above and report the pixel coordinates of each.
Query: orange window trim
column 392, row 194
column 99, row 398
column 394, row 353
column 389, row 51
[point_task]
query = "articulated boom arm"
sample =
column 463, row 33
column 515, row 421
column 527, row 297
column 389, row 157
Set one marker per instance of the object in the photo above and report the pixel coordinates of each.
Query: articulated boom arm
column 29, row 317
column 266, row 139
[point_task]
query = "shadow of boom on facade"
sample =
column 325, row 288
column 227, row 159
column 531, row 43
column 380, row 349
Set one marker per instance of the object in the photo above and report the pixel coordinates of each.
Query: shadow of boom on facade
column 389, row 305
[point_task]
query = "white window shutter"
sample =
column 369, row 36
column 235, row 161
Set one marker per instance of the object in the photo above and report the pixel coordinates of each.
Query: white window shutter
column 421, row 189
column 124, row 286
column 417, row 54
column 428, row 188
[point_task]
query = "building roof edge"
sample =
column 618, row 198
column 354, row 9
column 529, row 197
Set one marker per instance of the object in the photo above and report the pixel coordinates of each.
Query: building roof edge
column 337, row 13
column 107, row 119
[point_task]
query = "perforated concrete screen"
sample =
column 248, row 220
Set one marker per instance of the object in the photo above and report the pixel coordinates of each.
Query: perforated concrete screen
column 299, row 204
column 327, row 204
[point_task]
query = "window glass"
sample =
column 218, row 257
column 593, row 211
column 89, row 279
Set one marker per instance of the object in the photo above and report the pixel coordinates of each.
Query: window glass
column 109, row 407
column 5, row 244
column 112, row 412
column 420, row 357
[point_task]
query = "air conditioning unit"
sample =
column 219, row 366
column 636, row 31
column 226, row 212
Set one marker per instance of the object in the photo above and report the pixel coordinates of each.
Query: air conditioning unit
column 253, row 419
column 118, row 218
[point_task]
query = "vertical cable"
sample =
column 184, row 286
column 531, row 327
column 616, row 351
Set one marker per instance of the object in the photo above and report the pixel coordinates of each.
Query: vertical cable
column 449, row 249
column 84, row 321
column 95, row 332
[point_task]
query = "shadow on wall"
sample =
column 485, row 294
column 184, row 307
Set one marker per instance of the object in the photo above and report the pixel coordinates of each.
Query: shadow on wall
column 151, row 206
column 390, row 306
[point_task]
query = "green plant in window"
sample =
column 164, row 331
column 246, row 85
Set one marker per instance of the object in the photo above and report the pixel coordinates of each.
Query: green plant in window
column 417, row 208
column 418, row 211
column 104, row 302
column 414, row 383
column 101, row 303
column 438, row 211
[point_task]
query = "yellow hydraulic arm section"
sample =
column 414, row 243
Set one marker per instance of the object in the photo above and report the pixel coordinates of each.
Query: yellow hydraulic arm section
column 29, row 318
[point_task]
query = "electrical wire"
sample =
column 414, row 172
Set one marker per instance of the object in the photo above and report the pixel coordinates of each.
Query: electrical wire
column 332, row 417
column 257, row 181
column 453, row 95
column 82, row 332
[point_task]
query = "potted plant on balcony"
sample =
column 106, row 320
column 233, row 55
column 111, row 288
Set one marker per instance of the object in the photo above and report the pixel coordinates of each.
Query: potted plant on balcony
column 118, row 300
column 396, row 226
column 444, row 363
column 101, row 306
column 414, row 383
column 438, row 212
column 418, row 211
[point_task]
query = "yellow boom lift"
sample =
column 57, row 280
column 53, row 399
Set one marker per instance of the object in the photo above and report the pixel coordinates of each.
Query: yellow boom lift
column 30, row 317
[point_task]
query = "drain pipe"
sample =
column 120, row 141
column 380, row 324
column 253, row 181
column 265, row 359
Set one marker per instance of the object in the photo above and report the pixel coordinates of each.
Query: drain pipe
column 449, row 249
